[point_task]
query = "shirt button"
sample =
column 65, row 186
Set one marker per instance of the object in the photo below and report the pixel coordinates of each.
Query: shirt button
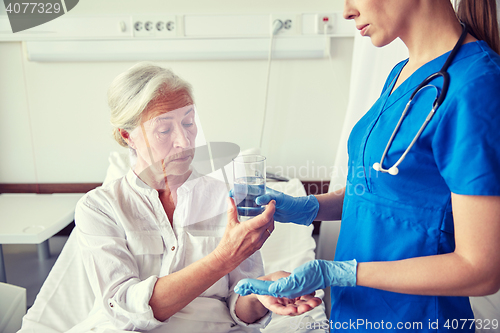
column 173, row 248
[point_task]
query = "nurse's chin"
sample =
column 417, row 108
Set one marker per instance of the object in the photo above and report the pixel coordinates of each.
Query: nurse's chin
column 380, row 42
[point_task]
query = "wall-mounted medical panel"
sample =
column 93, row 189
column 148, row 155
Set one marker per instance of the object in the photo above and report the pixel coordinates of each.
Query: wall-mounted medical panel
column 179, row 37
column 174, row 49
column 179, row 25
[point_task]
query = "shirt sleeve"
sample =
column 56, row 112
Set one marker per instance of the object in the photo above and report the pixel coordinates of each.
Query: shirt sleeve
column 466, row 145
column 252, row 267
column 112, row 270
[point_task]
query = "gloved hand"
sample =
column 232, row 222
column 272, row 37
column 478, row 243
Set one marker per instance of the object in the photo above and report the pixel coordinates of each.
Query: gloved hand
column 298, row 210
column 305, row 279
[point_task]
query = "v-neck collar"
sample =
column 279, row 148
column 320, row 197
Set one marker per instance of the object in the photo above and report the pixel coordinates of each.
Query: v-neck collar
column 433, row 66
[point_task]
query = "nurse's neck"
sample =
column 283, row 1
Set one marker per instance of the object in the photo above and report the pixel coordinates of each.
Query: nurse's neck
column 431, row 31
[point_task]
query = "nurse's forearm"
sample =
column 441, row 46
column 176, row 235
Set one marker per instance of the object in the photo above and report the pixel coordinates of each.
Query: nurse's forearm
column 440, row 275
column 473, row 269
column 330, row 205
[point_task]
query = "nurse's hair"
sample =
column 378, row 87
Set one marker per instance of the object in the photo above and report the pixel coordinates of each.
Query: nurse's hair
column 481, row 18
column 131, row 92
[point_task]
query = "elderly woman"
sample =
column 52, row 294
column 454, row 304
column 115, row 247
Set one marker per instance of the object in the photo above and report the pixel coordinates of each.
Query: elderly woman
column 156, row 247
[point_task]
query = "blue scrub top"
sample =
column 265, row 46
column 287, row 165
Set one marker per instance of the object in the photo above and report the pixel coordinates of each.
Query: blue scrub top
column 409, row 215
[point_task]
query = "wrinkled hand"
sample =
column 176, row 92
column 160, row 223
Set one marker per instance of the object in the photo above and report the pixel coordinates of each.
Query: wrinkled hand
column 241, row 240
column 298, row 210
column 305, row 279
column 286, row 306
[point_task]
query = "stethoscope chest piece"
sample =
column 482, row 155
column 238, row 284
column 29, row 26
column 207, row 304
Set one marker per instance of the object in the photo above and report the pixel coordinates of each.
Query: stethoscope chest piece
column 392, row 170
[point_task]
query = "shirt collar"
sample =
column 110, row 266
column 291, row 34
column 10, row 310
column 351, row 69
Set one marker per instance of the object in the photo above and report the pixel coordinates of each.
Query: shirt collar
column 141, row 187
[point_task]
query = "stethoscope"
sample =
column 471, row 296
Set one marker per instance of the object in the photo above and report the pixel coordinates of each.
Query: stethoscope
column 437, row 103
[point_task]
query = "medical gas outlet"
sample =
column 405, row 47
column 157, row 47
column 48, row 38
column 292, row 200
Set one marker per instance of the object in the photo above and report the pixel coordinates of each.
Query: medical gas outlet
column 325, row 23
column 288, row 23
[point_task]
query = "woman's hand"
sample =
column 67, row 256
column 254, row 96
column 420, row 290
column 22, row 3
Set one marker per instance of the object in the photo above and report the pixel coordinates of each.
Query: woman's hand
column 305, row 279
column 241, row 240
column 252, row 307
column 286, row 306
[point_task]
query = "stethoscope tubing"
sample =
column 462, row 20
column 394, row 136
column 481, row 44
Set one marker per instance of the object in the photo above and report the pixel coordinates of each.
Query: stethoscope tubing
column 440, row 96
column 394, row 169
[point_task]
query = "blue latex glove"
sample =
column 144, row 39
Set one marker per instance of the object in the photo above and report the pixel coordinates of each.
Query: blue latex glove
column 305, row 279
column 253, row 286
column 298, row 210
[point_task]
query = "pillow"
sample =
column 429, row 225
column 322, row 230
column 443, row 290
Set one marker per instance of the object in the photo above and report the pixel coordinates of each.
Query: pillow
column 119, row 164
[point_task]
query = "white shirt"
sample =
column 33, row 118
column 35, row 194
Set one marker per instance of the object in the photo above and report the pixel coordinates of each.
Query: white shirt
column 127, row 242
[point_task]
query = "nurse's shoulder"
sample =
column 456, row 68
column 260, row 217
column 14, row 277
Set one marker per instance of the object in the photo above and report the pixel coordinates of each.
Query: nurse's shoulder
column 480, row 64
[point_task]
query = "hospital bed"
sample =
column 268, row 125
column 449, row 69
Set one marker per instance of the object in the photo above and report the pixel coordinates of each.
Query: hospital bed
column 66, row 296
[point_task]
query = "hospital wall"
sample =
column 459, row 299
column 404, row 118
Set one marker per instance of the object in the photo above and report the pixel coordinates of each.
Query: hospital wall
column 54, row 120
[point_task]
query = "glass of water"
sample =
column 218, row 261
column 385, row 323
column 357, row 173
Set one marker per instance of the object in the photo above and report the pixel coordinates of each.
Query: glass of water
column 249, row 173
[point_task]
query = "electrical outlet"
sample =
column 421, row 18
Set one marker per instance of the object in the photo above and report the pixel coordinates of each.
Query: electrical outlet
column 289, row 21
column 166, row 27
column 325, row 21
column 154, row 26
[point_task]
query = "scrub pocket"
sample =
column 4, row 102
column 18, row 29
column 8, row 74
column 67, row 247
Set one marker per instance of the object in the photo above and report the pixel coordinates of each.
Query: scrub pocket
column 198, row 247
column 147, row 249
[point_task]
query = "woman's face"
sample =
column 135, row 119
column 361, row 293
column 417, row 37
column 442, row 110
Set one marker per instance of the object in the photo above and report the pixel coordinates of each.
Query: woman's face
column 165, row 140
column 381, row 20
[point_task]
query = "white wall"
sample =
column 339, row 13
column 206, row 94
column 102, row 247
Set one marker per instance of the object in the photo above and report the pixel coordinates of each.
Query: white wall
column 66, row 102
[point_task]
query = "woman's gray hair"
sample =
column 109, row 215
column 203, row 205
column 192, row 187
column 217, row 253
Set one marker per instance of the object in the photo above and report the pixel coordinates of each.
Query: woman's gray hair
column 132, row 91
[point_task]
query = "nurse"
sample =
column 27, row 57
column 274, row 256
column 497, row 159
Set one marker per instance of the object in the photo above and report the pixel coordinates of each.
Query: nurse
column 413, row 246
